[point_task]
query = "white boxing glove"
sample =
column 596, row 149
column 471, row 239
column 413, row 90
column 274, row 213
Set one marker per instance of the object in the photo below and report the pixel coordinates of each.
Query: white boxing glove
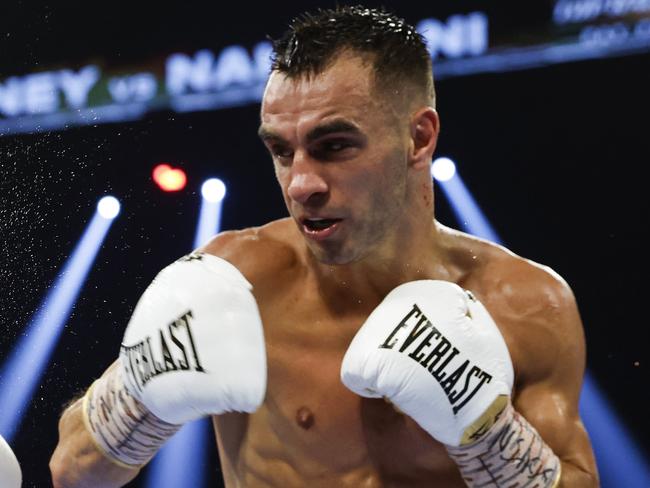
column 433, row 351
column 10, row 475
column 194, row 345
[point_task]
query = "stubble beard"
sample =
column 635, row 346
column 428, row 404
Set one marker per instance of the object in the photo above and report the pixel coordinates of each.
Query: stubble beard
column 366, row 239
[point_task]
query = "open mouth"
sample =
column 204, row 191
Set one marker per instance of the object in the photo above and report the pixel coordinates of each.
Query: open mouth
column 319, row 228
column 315, row 225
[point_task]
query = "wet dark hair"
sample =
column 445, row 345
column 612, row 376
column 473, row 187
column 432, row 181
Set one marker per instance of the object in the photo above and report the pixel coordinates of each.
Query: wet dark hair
column 396, row 50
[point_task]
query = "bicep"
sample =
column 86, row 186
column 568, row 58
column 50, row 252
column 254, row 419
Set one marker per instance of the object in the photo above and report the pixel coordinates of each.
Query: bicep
column 549, row 392
column 557, row 420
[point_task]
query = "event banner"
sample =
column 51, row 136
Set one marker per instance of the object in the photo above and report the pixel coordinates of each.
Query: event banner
column 473, row 39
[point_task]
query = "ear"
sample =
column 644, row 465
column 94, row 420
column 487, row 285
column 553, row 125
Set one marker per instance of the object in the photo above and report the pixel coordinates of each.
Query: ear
column 425, row 126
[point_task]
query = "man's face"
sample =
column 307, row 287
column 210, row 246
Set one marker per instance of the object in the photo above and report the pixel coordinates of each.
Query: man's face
column 340, row 156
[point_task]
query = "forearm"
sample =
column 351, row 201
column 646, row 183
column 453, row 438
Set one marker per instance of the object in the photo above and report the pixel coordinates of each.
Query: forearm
column 575, row 477
column 106, row 437
column 513, row 451
column 76, row 461
column 510, row 453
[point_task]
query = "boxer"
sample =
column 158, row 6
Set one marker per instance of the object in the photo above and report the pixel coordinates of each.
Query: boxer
column 358, row 342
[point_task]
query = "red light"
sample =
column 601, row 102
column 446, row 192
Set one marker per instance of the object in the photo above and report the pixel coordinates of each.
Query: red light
column 168, row 178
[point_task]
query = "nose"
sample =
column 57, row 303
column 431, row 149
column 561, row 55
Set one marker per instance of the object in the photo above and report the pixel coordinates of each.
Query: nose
column 306, row 186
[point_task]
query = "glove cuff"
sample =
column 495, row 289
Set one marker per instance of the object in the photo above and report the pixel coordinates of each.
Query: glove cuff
column 510, row 450
column 121, row 427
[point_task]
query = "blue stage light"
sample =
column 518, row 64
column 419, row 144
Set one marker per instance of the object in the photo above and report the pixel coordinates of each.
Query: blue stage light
column 182, row 460
column 213, row 192
column 22, row 371
column 108, row 207
column 443, row 169
column 619, row 460
column 462, row 203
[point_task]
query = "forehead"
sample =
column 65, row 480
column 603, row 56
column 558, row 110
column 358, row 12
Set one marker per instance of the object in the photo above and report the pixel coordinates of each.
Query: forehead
column 344, row 89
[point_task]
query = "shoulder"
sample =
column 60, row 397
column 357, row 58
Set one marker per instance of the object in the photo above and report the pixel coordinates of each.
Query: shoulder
column 537, row 310
column 262, row 254
column 506, row 280
column 527, row 288
column 533, row 306
column 499, row 274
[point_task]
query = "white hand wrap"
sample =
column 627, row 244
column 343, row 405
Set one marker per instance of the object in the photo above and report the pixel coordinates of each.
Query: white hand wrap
column 122, row 427
column 511, row 454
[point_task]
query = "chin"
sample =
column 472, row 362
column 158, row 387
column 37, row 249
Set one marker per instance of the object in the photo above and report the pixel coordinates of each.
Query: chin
column 334, row 256
column 333, row 260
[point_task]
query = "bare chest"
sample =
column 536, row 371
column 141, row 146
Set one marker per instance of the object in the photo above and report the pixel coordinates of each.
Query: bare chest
column 312, row 427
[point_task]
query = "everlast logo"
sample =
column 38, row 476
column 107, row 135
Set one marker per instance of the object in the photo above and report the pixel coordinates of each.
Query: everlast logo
column 173, row 351
column 426, row 345
column 198, row 256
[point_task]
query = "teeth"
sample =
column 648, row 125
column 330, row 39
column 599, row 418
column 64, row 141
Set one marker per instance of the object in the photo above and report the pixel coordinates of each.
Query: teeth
column 318, row 223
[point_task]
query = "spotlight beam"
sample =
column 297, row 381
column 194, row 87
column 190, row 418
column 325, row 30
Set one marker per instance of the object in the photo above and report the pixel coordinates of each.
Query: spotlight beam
column 213, row 192
column 466, row 210
column 182, row 460
column 619, row 460
column 23, row 369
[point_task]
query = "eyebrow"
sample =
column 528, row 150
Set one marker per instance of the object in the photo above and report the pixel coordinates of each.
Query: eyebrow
column 332, row 127
column 268, row 135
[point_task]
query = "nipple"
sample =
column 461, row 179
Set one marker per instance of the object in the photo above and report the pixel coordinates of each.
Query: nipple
column 304, row 418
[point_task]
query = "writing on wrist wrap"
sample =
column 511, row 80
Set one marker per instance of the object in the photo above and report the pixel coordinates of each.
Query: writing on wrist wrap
column 511, row 454
column 120, row 425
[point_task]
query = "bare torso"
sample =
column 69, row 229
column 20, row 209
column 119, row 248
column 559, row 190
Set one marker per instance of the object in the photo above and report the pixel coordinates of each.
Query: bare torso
column 311, row 430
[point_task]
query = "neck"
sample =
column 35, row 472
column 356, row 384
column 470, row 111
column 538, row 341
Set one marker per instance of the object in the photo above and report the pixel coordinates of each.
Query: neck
column 411, row 252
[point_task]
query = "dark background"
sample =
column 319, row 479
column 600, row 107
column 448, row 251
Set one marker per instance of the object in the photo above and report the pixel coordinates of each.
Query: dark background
column 555, row 157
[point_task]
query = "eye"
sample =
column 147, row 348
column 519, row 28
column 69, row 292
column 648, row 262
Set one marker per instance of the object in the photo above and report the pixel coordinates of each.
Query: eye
column 335, row 145
column 333, row 149
column 281, row 152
